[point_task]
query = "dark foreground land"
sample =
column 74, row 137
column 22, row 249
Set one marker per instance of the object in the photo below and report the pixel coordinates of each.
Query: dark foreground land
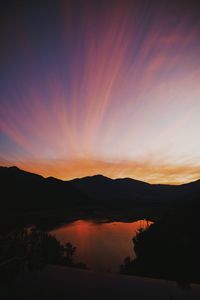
column 65, row 283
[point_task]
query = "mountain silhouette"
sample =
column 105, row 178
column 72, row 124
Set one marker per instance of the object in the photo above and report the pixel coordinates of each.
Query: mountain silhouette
column 129, row 191
column 28, row 191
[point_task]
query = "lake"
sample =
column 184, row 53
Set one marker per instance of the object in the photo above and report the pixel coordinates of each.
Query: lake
column 102, row 246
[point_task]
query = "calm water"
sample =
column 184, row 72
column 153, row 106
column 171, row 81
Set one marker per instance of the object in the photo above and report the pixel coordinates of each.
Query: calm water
column 102, row 246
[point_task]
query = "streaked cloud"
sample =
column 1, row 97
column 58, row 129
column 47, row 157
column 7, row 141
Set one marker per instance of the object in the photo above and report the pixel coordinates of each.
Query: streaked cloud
column 109, row 88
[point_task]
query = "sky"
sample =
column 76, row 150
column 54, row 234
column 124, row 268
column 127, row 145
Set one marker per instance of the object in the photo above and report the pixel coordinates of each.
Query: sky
column 101, row 87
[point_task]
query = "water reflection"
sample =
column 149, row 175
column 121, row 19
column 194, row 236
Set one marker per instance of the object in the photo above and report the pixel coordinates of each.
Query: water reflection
column 102, row 246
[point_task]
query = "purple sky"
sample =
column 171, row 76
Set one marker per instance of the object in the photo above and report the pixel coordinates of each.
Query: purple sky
column 88, row 87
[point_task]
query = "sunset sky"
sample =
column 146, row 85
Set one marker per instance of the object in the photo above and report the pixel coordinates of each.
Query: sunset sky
column 101, row 87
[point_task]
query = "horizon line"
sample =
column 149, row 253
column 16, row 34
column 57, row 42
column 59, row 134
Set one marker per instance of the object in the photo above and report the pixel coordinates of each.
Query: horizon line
column 98, row 174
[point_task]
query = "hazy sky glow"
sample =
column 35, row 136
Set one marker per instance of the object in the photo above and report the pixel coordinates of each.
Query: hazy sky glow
column 110, row 87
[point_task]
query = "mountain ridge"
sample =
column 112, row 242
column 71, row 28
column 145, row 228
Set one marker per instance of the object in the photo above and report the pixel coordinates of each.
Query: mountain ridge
column 28, row 191
column 100, row 176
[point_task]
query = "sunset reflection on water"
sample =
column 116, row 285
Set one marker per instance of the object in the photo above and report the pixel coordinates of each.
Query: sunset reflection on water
column 102, row 246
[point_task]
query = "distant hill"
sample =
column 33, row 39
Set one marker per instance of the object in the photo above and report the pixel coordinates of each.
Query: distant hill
column 130, row 191
column 102, row 187
column 27, row 191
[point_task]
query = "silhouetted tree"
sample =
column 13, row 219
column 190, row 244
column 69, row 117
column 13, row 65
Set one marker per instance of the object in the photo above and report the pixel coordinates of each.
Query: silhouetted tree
column 34, row 249
column 69, row 250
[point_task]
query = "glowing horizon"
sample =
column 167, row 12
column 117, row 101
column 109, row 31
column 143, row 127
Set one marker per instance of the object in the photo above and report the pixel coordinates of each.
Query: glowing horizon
column 97, row 88
column 149, row 174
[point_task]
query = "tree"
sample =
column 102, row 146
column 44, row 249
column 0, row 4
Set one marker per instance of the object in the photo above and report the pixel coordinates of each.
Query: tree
column 69, row 250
